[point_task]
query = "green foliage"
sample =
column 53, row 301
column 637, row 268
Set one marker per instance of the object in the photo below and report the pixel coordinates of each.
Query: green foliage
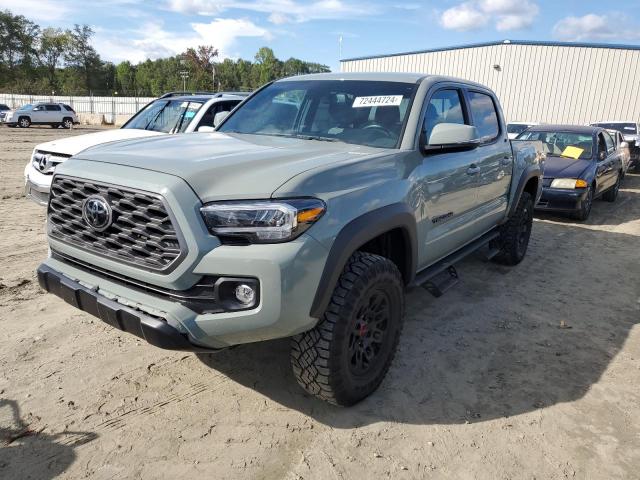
column 42, row 61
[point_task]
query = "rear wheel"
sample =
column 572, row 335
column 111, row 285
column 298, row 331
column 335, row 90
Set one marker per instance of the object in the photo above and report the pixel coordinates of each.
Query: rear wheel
column 67, row 123
column 611, row 194
column 345, row 357
column 515, row 234
column 24, row 122
column 585, row 207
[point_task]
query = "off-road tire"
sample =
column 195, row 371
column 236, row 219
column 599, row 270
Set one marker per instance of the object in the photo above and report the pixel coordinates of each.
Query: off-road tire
column 67, row 123
column 24, row 122
column 515, row 234
column 585, row 207
column 612, row 194
column 322, row 359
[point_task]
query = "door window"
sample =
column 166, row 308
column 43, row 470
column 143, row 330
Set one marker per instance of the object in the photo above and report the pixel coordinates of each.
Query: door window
column 609, row 143
column 445, row 106
column 53, row 108
column 485, row 115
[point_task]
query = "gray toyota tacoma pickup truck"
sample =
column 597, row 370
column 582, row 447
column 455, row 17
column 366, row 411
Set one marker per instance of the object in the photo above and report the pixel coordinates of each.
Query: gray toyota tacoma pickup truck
column 306, row 214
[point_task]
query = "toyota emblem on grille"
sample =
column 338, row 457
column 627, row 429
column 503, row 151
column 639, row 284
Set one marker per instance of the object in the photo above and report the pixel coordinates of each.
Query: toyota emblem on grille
column 97, row 212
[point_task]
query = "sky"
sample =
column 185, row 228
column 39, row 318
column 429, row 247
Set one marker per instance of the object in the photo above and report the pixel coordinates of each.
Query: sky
column 137, row 30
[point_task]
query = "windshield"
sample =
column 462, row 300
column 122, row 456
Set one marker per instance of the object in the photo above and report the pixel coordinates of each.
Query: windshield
column 563, row 144
column 28, row 106
column 624, row 128
column 516, row 127
column 168, row 116
column 353, row 111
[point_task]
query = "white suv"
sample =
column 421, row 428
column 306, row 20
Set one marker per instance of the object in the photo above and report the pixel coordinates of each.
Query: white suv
column 41, row 113
column 171, row 113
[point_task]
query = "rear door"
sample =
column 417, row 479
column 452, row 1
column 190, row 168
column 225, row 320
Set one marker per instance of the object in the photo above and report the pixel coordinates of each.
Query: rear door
column 493, row 156
column 447, row 200
column 53, row 113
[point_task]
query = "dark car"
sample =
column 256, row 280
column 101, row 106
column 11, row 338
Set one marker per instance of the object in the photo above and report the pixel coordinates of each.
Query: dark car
column 582, row 164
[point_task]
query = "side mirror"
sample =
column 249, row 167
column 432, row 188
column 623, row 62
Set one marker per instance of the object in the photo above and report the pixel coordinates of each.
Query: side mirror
column 452, row 136
column 624, row 145
column 206, row 128
column 37, row 109
column 220, row 116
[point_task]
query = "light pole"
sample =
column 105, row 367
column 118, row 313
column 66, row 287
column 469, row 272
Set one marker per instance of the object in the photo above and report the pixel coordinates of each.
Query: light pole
column 184, row 74
column 213, row 77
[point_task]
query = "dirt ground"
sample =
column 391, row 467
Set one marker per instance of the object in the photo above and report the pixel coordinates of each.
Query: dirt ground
column 526, row 372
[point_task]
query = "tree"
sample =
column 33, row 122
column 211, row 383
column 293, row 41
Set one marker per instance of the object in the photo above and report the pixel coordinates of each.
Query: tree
column 17, row 52
column 82, row 56
column 126, row 78
column 53, row 44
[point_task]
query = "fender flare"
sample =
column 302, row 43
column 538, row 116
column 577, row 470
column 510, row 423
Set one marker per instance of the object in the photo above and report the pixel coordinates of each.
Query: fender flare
column 354, row 235
column 532, row 171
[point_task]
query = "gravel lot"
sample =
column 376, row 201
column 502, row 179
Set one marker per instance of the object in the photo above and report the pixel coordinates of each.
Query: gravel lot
column 529, row 372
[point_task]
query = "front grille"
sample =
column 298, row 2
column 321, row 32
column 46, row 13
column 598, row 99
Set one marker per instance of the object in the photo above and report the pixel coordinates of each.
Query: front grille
column 142, row 232
column 46, row 162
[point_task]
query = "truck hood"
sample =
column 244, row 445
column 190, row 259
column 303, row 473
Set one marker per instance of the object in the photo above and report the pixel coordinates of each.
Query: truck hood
column 562, row 167
column 221, row 166
column 74, row 145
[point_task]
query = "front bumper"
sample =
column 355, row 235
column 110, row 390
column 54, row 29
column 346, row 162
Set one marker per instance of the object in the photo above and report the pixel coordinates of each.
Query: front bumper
column 37, row 193
column 561, row 200
column 155, row 331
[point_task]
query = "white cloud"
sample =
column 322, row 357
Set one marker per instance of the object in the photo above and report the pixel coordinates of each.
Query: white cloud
column 37, row 10
column 153, row 41
column 475, row 14
column 465, row 16
column 596, row 27
column 280, row 11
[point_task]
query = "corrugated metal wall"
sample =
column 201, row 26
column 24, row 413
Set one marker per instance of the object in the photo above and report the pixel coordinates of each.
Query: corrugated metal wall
column 542, row 83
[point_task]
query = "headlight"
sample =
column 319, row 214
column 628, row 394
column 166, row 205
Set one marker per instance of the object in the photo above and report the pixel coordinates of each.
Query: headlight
column 262, row 221
column 568, row 183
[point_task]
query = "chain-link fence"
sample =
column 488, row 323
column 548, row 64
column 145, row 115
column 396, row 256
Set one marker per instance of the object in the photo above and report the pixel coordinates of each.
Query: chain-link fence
column 107, row 106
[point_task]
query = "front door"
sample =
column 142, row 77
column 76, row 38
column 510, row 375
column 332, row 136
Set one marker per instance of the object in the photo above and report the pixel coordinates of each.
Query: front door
column 447, row 193
column 607, row 159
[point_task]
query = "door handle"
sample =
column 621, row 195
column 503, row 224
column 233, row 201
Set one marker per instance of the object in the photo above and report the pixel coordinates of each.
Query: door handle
column 473, row 170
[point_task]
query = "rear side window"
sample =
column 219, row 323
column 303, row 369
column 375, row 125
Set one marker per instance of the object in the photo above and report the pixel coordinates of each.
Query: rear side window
column 53, row 108
column 445, row 106
column 69, row 109
column 485, row 115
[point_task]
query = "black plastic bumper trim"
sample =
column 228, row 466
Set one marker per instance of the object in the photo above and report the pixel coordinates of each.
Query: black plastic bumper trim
column 154, row 330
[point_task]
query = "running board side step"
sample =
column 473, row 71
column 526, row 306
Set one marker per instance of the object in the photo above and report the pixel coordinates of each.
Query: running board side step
column 441, row 276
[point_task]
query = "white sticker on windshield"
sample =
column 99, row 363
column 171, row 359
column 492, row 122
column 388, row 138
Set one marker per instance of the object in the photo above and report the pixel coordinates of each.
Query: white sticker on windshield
column 377, row 101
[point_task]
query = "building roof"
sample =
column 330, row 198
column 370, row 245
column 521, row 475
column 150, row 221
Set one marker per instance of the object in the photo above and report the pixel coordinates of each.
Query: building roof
column 503, row 42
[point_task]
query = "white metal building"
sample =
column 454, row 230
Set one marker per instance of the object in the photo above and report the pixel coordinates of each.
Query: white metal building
column 572, row 83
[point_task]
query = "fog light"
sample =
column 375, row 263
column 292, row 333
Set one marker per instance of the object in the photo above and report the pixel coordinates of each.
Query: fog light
column 245, row 294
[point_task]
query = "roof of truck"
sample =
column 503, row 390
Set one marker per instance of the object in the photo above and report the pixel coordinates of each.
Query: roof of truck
column 584, row 129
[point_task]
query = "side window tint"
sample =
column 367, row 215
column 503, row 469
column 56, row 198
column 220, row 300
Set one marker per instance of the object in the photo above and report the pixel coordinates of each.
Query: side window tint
column 444, row 106
column 53, row 108
column 485, row 116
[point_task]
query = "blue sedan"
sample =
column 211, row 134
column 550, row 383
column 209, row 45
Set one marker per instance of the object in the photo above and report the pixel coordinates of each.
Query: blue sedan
column 582, row 164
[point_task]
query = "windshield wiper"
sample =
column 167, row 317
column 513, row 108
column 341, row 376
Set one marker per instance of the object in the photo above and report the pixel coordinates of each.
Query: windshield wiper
column 318, row 137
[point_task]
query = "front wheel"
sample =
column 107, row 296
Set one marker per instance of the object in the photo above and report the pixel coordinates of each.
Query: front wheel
column 612, row 194
column 515, row 234
column 345, row 357
column 585, row 206
column 24, row 122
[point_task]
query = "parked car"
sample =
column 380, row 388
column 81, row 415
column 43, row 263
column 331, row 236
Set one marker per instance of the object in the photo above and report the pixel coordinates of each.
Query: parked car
column 3, row 111
column 42, row 113
column 306, row 214
column 172, row 113
column 631, row 132
column 582, row 164
column 516, row 128
column 623, row 149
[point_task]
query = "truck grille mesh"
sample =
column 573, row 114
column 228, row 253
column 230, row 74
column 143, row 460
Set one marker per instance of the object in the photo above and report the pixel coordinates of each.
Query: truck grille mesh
column 141, row 233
